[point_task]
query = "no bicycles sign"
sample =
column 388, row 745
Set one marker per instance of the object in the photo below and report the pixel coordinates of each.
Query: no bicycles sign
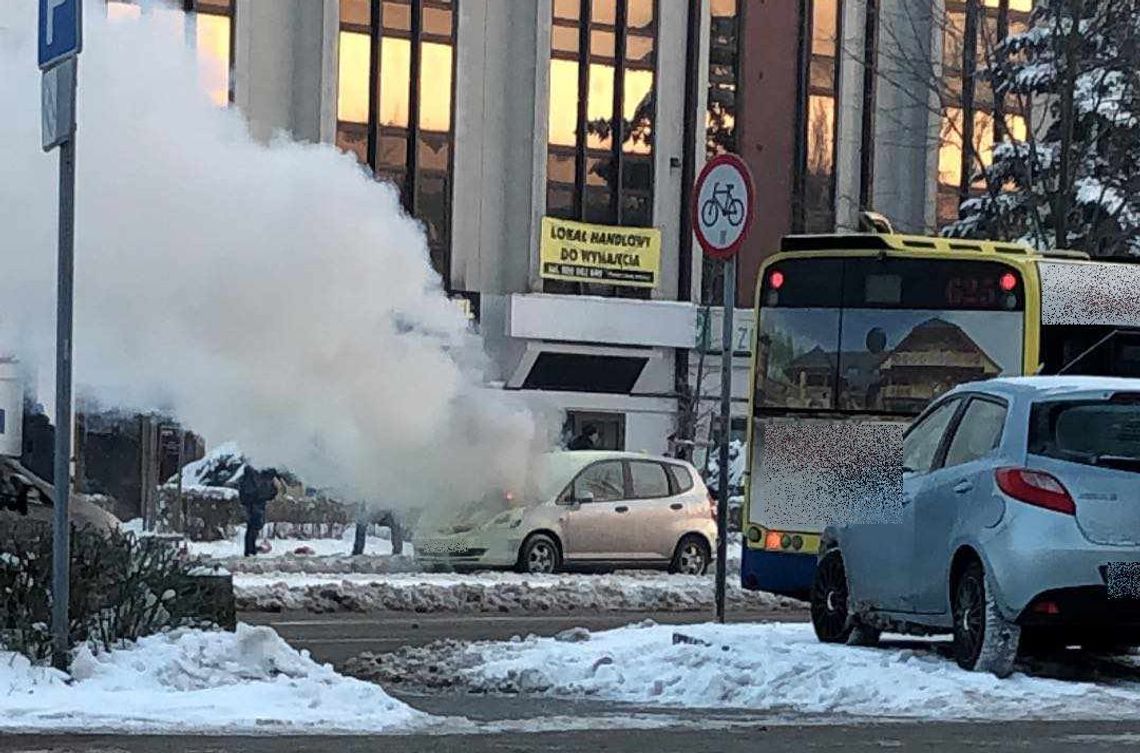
column 722, row 207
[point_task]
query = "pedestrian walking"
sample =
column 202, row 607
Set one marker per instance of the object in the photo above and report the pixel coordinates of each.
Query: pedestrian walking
column 255, row 490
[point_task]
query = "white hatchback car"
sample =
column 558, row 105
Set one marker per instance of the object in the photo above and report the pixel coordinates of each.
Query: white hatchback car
column 588, row 509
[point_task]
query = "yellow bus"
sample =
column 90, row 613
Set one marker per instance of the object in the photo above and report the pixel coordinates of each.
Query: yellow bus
column 855, row 334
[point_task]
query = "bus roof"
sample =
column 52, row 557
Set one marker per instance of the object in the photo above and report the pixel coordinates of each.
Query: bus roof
column 885, row 242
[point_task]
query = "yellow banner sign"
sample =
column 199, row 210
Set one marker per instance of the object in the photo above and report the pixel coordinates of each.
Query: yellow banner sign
column 605, row 254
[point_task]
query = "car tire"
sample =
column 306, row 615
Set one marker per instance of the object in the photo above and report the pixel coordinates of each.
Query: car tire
column 984, row 641
column 829, row 600
column 691, row 557
column 540, row 555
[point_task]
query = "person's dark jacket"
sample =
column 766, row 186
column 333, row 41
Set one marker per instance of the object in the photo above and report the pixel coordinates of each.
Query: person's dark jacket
column 255, row 490
column 582, row 442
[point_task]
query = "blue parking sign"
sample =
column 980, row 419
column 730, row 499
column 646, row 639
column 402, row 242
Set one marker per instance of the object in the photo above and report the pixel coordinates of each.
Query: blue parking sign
column 61, row 30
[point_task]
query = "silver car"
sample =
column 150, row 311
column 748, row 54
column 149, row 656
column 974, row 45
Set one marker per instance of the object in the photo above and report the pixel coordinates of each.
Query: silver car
column 586, row 509
column 1019, row 526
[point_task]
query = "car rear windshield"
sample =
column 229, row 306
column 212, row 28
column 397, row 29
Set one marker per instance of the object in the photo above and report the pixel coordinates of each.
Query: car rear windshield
column 1093, row 432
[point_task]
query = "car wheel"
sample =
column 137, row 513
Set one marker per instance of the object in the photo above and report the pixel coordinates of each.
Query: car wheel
column 540, row 555
column 984, row 641
column 691, row 556
column 829, row 608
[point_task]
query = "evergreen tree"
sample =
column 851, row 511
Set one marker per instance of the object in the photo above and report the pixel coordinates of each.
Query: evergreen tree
column 1072, row 181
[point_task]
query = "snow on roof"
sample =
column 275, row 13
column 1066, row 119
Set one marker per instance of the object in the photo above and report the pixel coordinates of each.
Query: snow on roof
column 221, row 466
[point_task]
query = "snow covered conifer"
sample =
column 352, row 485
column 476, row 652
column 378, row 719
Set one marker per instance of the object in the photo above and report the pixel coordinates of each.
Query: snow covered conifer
column 1071, row 181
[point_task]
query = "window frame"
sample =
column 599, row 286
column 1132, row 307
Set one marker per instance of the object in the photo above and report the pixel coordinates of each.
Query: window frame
column 805, row 90
column 412, row 174
column 956, row 424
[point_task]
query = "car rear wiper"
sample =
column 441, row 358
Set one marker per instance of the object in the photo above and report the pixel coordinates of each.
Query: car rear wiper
column 1118, row 462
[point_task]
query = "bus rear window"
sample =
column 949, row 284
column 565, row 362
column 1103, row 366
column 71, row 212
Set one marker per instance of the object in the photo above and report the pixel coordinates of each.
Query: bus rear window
column 884, row 336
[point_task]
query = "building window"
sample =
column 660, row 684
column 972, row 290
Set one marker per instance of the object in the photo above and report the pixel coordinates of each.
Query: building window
column 210, row 35
column 973, row 116
column 603, row 60
column 720, row 122
column 396, row 74
column 815, row 175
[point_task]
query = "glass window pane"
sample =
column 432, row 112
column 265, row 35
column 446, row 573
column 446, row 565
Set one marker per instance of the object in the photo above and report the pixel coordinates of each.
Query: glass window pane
column 639, row 112
column 602, row 44
column 353, row 137
column 437, row 21
column 639, row 14
column 397, row 16
column 639, row 49
column 213, row 46
column 352, row 77
column 395, row 76
column 564, row 39
column 823, row 75
column 979, row 432
column 682, row 478
column 649, row 480
column 825, row 27
column 605, row 481
column 723, row 8
column 435, row 87
column 950, row 148
column 600, row 106
column 391, row 151
column 603, row 12
column 355, row 13
column 921, row 444
column 563, row 117
column 599, row 190
column 567, row 9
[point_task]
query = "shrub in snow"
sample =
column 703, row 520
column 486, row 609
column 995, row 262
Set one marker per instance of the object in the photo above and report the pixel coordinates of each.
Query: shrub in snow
column 1068, row 179
column 122, row 588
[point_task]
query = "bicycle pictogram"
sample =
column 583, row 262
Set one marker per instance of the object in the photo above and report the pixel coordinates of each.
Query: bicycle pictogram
column 722, row 202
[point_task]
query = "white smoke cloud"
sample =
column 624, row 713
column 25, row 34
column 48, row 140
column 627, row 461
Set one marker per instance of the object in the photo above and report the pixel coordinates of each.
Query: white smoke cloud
column 272, row 295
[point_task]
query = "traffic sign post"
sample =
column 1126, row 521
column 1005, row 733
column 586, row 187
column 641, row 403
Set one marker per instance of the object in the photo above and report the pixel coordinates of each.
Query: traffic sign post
column 60, row 41
column 723, row 205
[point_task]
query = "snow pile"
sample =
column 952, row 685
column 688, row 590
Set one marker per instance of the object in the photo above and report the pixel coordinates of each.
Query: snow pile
column 250, row 681
column 493, row 592
column 779, row 668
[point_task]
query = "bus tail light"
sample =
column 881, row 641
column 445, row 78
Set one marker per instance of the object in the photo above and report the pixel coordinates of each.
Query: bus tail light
column 1035, row 488
column 776, row 279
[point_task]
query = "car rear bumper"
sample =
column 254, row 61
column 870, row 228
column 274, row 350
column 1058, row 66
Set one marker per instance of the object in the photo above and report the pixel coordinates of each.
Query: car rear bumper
column 1038, row 551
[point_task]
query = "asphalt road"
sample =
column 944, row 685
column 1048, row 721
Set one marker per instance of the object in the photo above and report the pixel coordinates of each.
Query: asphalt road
column 337, row 637
column 1040, row 737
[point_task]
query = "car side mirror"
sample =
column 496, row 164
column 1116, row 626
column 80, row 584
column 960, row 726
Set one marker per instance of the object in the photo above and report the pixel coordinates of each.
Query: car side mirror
column 584, row 498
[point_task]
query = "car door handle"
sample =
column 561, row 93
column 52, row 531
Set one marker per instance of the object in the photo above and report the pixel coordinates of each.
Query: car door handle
column 964, row 486
column 622, row 508
column 676, row 506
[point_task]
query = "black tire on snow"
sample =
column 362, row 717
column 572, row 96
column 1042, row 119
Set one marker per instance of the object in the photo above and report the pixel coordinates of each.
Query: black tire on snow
column 984, row 641
column 829, row 615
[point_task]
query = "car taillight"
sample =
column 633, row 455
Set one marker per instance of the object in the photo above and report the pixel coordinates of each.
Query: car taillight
column 712, row 507
column 1035, row 488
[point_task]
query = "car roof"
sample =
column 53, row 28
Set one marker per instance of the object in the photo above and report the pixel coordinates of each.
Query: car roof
column 585, row 457
column 1045, row 387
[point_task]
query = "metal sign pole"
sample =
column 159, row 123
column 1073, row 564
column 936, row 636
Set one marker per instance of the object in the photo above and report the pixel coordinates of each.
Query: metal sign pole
column 61, row 539
column 726, row 355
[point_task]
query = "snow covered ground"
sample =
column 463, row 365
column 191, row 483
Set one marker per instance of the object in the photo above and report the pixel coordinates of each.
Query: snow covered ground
column 491, row 592
column 289, row 548
column 777, row 668
column 250, row 681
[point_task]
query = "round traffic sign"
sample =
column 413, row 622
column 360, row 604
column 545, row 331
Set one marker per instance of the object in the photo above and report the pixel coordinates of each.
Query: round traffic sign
column 722, row 205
